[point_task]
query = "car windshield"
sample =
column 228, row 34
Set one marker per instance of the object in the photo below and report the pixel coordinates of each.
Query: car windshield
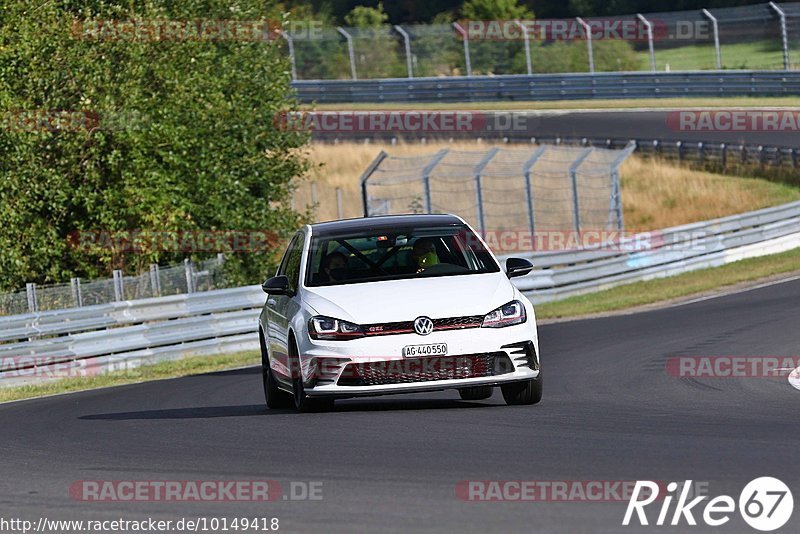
column 415, row 252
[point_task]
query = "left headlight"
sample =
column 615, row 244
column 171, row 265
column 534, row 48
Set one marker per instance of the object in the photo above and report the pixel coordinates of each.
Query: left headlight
column 506, row 315
column 321, row 327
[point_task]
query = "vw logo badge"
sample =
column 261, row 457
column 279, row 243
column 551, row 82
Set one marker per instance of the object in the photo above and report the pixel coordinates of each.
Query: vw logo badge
column 423, row 326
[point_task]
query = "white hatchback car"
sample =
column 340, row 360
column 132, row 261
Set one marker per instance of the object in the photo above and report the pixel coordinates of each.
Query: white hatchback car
column 395, row 304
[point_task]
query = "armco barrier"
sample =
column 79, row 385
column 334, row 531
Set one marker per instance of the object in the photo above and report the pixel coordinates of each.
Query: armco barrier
column 610, row 85
column 123, row 335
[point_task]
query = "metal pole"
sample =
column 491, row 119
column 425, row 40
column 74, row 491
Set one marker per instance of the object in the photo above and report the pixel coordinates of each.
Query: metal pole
column 77, row 297
column 189, row 270
column 426, row 177
column 649, row 40
column 407, row 41
column 33, row 303
column 588, row 31
column 155, row 280
column 784, row 35
column 573, row 175
column 527, row 42
column 526, row 171
column 478, row 187
column 339, row 210
column 715, row 27
column 119, row 292
column 292, row 57
column 350, row 51
column 465, row 38
column 616, row 197
column 364, row 177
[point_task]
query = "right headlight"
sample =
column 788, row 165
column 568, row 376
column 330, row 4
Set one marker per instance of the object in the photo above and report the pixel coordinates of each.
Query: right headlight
column 506, row 315
column 321, row 327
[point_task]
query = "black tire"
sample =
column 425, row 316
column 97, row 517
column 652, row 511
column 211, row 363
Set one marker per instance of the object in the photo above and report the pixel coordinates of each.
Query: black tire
column 302, row 402
column 476, row 393
column 528, row 392
column 274, row 397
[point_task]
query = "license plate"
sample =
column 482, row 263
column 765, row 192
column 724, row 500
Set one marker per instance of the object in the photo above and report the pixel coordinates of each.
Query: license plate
column 416, row 351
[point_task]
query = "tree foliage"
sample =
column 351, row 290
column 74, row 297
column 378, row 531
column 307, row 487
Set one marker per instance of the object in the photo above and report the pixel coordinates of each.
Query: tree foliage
column 181, row 137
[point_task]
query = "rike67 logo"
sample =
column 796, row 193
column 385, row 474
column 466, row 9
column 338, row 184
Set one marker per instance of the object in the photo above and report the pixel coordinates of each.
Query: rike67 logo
column 766, row 504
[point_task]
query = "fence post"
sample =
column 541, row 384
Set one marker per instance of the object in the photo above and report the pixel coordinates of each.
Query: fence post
column 649, row 28
column 573, row 175
column 155, row 280
column 479, row 188
column 724, row 155
column 77, row 296
column 292, row 57
column 350, row 51
column 339, row 212
column 407, row 42
column 526, row 171
column 382, row 155
column 33, row 303
column 588, row 31
column 527, row 42
column 715, row 28
column 784, row 35
column 426, row 177
column 119, row 293
column 615, row 208
column 189, row 269
column 465, row 39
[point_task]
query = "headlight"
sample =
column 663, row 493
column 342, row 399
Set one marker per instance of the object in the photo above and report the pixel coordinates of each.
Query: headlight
column 506, row 315
column 321, row 327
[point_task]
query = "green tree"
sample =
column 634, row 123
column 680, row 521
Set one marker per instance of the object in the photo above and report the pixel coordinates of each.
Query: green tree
column 495, row 10
column 202, row 153
column 366, row 17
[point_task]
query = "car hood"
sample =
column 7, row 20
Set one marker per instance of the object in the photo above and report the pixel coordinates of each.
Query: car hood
column 405, row 300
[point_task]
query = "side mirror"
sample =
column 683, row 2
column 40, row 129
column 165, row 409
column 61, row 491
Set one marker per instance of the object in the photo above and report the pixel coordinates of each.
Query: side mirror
column 277, row 285
column 518, row 267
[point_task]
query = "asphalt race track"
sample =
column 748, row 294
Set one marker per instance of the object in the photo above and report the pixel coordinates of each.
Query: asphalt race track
column 643, row 124
column 610, row 413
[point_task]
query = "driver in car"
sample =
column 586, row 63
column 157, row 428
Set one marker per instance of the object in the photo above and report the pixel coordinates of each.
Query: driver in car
column 424, row 254
column 333, row 265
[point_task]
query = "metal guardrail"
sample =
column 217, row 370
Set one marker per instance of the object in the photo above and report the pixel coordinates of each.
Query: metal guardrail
column 611, row 85
column 122, row 335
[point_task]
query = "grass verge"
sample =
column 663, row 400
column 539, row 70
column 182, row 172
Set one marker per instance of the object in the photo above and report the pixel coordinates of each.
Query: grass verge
column 664, row 289
column 569, row 104
column 173, row 369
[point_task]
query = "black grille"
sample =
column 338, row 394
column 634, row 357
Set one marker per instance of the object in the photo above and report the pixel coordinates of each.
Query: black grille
column 406, row 327
column 425, row 369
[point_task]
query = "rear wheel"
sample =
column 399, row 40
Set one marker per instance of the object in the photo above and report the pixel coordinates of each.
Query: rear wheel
column 275, row 397
column 476, row 393
column 303, row 402
column 528, row 392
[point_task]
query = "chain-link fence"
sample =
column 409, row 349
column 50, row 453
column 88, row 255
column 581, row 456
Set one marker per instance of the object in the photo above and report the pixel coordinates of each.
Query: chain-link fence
column 189, row 277
column 543, row 188
column 763, row 36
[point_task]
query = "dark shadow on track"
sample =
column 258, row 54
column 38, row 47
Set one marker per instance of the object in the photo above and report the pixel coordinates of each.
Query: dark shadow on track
column 200, row 412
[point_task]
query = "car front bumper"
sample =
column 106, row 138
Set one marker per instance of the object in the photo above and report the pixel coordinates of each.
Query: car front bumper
column 328, row 366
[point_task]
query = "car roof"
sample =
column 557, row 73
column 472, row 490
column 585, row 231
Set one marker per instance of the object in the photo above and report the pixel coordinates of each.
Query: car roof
column 383, row 222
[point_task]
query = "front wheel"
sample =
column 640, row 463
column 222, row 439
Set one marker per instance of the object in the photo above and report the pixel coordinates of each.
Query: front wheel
column 528, row 392
column 272, row 394
column 303, row 402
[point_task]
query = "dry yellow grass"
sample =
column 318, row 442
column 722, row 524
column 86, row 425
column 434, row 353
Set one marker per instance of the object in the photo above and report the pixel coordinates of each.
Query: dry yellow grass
column 655, row 194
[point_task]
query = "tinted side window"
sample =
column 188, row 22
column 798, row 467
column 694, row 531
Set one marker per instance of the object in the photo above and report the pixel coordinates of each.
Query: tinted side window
column 291, row 262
